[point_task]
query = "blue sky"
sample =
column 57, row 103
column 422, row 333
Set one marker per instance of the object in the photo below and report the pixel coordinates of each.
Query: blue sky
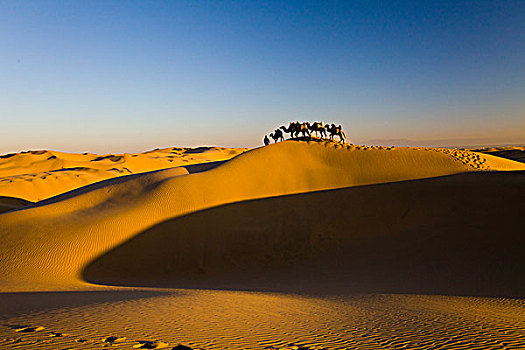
column 115, row 76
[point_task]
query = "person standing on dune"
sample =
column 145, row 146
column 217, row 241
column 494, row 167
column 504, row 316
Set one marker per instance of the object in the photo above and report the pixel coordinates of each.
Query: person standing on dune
column 266, row 140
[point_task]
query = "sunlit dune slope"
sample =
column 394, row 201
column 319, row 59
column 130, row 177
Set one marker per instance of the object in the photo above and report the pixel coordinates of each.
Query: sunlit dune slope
column 37, row 175
column 49, row 246
column 454, row 235
column 512, row 152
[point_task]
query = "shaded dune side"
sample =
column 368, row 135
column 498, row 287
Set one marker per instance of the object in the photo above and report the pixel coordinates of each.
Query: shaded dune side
column 459, row 234
column 46, row 247
column 11, row 203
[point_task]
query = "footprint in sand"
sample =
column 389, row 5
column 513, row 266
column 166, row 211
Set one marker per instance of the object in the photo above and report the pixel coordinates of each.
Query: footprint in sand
column 181, row 347
column 113, row 339
column 56, row 334
column 295, row 347
column 13, row 340
column 146, row 344
column 29, row 329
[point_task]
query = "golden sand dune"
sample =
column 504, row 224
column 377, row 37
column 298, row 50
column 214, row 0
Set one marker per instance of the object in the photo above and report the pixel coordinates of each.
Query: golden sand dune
column 339, row 223
column 454, row 235
column 47, row 247
column 512, row 152
column 37, row 175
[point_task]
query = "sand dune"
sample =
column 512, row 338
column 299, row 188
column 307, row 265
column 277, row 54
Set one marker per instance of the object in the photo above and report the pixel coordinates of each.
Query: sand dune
column 74, row 230
column 334, row 223
column 37, row 175
column 389, row 238
column 514, row 153
column 10, row 203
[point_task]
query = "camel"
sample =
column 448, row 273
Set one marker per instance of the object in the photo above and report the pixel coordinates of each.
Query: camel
column 277, row 135
column 303, row 128
column 318, row 128
column 336, row 131
column 291, row 129
column 296, row 128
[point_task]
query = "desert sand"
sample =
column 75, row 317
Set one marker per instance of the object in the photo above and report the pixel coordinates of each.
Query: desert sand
column 37, row 175
column 300, row 244
column 510, row 152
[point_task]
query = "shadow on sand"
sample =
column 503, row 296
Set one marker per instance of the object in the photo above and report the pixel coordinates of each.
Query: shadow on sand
column 31, row 302
column 455, row 235
column 12, row 203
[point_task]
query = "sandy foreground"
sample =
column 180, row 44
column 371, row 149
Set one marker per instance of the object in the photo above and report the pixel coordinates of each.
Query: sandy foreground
column 295, row 245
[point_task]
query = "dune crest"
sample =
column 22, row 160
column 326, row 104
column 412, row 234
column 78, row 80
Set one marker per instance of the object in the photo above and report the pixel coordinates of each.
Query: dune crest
column 512, row 152
column 38, row 175
column 48, row 246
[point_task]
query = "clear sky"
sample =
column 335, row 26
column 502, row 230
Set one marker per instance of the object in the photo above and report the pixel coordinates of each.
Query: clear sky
column 115, row 76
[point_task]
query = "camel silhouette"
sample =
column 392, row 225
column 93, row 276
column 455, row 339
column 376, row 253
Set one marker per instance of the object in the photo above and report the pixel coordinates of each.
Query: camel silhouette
column 319, row 129
column 290, row 130
column 336, row 131
column 304, row 128
column 277, row 135
column 296, row 128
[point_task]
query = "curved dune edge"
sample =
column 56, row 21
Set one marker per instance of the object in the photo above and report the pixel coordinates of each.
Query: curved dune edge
column 48, row 246
column 12, row 203
column 512, row 152
column 450, row 235
column 38, row 175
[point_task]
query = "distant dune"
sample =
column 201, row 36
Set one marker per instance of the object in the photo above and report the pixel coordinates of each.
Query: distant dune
column 470, row 143
column 512, row 152
column 37, row 175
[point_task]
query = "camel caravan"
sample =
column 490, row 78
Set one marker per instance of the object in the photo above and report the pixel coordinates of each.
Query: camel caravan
column 306, row 130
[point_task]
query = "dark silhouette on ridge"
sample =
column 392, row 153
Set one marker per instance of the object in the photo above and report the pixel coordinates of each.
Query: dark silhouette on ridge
column 295, row 129
column 277, row 135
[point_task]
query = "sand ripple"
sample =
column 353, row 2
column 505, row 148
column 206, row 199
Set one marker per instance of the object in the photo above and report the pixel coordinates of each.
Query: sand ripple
column 243, row 320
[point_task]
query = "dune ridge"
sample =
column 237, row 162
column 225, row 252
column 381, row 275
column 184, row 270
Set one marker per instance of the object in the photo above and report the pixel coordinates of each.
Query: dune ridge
column 333, row 224
column 72, row 232
column 516, row 153
column 452, row 235
column 38, row 175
